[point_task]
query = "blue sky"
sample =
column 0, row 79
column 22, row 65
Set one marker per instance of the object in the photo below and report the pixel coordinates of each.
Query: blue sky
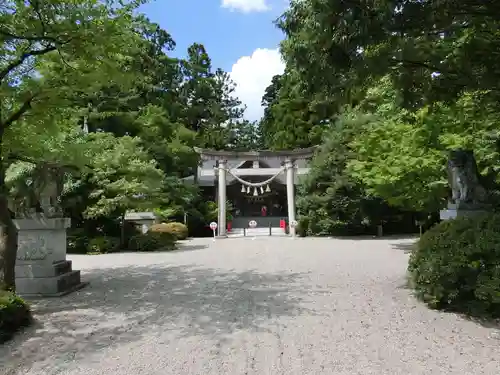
column 239, row 36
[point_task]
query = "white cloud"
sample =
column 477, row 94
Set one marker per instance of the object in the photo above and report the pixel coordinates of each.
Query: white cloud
column 252, row 74
column 246, row 6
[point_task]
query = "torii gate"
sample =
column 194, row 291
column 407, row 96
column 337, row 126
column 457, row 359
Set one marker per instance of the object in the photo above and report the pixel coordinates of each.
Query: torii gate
column 288, row 167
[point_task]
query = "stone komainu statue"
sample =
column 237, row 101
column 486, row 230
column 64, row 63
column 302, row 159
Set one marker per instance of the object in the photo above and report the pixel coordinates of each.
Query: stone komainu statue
column 37, row 190
column 463, row 178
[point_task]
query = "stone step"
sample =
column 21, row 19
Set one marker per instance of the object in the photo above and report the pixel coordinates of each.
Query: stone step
column 49, row 286
column 68, row 281
column 37, row 270
column 62, row 267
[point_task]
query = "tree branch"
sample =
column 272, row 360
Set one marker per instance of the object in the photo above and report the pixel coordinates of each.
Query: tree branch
column 14, row 64
column 36, row 6
column 420, row 64
column 31, row 38
column 64, row 60
column 49, row 164
column 17, row 114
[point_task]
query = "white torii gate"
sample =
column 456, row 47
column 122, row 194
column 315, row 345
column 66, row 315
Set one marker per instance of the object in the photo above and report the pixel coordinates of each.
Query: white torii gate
column 287, row 159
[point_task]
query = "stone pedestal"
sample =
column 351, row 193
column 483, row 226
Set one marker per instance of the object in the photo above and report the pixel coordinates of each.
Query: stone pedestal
column 453, row 211
column 143, row 219
column 41, row 266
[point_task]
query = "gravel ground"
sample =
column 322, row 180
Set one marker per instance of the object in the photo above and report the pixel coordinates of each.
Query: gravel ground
column 242, row 306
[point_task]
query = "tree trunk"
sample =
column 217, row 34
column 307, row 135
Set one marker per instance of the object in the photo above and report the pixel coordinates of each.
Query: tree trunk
column 8, row 245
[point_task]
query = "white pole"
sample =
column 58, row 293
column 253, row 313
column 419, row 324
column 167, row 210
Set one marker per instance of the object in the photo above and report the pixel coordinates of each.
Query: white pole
column 222, row 198
column 290, row 194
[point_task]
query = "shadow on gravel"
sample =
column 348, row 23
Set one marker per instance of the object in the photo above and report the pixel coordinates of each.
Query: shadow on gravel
column 404, row 246
column 123, row 305
column 391, row 237
column 186, row 246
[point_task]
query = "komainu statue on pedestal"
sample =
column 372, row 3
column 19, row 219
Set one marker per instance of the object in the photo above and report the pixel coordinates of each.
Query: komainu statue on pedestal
column 464, row 180
column 36, row 190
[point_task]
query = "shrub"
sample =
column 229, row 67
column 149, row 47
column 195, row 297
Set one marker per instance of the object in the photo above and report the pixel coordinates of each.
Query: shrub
column 14, row 314
column 103, row 245
column 77, row 241
column 456, row 265
column 179, row 230
column 152, row 241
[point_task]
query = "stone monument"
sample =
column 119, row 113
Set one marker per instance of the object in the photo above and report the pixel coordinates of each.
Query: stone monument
column 143, row 219
column 468, row 196
column 41, row 266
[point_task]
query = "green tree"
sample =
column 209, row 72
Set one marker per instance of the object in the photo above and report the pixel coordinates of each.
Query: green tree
column 331, row 201
column 150, row 108
column 269, row 99
column 210, row 108
column 124, row 175
column 397, row 158
column 425, row 47
column 49, row 52
column 291, row 118
column 401, row 154
column 245, row 136
column 406, row 67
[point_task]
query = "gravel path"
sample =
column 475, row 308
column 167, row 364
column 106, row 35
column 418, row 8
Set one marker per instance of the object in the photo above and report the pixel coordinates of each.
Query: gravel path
column 258, row 307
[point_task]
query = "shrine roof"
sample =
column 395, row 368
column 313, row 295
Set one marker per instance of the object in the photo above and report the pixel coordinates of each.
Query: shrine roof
column 208, row 154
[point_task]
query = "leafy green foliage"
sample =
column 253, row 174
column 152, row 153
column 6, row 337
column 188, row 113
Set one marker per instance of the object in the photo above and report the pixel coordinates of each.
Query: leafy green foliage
column 211, row 211
column 327, row 198
column 77, row 241
column 207, row 96
column 401, row 155
column 103, row 245
column 61, row 44
column 455, row 265
column 330, row 200
column 124, row 175
column 398, row 155
column 404, row 66
column 100, row 236
column 14, row 314
column 291, row 119
column 337, row 46
column 245, row 136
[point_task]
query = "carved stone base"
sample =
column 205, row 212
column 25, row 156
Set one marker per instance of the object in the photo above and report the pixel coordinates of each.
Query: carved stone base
column 41, row 266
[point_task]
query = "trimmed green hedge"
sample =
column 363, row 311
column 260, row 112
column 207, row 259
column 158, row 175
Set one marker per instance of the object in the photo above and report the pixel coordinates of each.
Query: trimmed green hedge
column 152, row 241
column 14, row 314
column 179, row 230
column 456, row 266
